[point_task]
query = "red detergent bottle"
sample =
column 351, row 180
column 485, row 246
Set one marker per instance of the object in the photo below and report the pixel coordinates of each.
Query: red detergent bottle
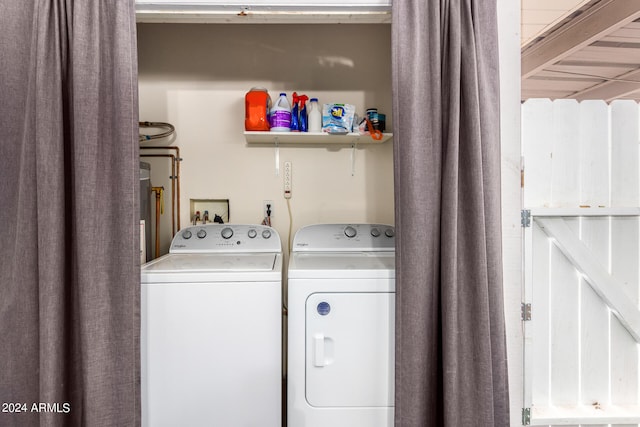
column 257, row 104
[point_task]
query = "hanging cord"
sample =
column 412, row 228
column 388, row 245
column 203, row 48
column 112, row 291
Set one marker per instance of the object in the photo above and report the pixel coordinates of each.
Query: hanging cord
column 161, row 125
column 285, row 308
column 290, row 236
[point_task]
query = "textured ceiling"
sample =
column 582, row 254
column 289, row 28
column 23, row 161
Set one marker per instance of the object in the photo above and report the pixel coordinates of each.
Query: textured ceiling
column 581, row 49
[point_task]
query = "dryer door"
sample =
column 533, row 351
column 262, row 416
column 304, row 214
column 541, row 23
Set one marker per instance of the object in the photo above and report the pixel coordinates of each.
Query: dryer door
column 350, row 349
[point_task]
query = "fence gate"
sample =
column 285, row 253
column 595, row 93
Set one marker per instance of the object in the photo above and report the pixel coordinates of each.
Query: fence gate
column 581, row 318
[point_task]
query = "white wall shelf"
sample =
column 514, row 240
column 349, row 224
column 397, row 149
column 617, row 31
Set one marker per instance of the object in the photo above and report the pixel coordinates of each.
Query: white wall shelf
column 316, row 138
column 263, row 12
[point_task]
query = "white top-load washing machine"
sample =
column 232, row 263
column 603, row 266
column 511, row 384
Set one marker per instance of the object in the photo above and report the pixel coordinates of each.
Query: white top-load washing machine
column 211, row 334
column 341, row 320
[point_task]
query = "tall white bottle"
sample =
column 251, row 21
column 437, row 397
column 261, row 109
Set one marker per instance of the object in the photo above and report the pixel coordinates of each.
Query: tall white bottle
column 315, row 116
column 280, row 119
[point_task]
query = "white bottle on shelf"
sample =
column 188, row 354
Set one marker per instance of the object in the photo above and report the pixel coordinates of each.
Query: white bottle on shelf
column 315, row 116
column 280, row 119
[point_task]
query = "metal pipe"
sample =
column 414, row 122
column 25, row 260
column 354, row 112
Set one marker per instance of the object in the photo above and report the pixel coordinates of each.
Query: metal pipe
column 177, row 160
column 158, row 191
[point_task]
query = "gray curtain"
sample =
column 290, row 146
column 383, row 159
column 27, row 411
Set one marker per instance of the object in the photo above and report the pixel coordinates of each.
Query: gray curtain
column 69, row 251
column 451, row 367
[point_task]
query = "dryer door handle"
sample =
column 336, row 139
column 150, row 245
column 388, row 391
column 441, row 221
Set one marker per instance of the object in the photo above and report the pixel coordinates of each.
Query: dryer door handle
column 318, row 347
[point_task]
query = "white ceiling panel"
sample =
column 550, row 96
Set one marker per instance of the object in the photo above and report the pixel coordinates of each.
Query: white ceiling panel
column 541, row 15
column 588, row 50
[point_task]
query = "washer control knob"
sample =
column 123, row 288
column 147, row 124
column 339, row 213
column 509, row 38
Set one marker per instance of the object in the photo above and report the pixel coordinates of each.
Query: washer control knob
column 252, row 233
column 375, row 232
column 389, row 232
column 201, row 234
column 186, row 234
column 266, row 233
column 350, row 232
column 226, row 233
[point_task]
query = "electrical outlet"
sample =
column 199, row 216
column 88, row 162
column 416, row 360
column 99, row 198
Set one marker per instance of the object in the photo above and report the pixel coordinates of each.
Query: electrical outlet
column 267, row 208
column 287, row 180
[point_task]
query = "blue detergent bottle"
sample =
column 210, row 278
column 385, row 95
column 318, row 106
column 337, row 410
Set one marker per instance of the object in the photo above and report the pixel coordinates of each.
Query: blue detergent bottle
column 295, row 115
column 303, row 119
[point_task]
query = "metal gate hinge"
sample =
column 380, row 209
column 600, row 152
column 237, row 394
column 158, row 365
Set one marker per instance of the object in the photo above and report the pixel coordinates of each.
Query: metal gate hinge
column 525, row 218
column 526, row 416
column 525, row 310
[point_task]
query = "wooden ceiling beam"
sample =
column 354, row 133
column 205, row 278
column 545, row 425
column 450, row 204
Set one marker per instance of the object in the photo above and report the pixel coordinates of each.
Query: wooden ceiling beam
column 602, row 18
column 620, row 87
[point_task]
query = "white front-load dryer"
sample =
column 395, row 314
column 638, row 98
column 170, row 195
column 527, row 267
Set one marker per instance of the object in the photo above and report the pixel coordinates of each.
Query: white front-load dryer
column 211, row 329
column 341, row 320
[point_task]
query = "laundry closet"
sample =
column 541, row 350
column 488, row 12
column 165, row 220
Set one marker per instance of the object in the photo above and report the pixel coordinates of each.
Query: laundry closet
column 195, row 76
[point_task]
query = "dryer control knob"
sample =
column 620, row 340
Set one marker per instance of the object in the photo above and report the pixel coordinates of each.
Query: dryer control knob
column 375, row 232
column 350, row 232
column 252, row 233
column 266, row 234
column 226, row 233
column 389, row 232
column 201, row 234
column 186, row 234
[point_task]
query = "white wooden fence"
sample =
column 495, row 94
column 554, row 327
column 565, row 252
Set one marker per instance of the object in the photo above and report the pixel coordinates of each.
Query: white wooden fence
column 581, row 233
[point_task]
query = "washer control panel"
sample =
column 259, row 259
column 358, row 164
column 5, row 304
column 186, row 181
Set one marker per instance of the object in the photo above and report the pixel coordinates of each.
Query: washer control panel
column 226, row 238
column 345, row 237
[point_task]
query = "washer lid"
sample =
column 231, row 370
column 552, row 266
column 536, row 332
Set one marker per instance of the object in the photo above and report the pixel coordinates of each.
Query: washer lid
column 342, row 265
column 205, row 262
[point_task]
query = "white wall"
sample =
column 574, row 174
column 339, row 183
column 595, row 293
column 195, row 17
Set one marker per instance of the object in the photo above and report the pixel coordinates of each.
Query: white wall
column 195, row 76
column 509, row 45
